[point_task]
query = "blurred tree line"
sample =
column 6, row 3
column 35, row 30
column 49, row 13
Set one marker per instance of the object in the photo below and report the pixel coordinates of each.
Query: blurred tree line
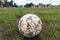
column 40, row 5
column 28, row 5
column 5, row 3
column 11, row 3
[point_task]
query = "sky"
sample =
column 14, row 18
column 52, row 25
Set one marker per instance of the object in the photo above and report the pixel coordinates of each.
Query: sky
column 23, row 2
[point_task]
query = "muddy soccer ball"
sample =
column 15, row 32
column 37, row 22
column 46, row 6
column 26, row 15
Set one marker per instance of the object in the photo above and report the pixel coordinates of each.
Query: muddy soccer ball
column 30, row 25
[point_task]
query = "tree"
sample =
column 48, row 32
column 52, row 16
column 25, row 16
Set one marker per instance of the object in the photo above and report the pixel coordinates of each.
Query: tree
column 40, row 3
column 48, row 5
column 15, row 5
column 11, row 3
column 58, row 5
column 0, row 2
column 29, row 5
column 5, row 3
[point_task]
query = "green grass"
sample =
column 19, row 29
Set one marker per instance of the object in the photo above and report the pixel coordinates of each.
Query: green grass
column 9, row 18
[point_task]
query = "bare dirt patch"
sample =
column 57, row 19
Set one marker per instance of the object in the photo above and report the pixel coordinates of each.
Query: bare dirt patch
column 1, row 37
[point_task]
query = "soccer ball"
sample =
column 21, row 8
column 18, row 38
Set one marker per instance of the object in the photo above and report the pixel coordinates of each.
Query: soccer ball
column 30, row 25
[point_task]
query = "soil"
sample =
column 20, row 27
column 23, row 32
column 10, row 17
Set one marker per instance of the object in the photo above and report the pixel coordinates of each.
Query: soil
column 1, row 37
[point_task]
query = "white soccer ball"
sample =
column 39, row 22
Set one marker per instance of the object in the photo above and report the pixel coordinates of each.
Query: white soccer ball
column 30, row 25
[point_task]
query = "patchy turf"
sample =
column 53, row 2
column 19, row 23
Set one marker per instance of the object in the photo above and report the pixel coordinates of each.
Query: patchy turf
column 9, row 20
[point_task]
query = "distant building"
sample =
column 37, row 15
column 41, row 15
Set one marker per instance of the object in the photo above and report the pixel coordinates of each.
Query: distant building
column 9, row 6
column 34, row 6
column 1, row 6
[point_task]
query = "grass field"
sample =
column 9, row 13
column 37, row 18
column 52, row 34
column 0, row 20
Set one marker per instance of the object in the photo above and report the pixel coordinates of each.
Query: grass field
column 9, row 18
